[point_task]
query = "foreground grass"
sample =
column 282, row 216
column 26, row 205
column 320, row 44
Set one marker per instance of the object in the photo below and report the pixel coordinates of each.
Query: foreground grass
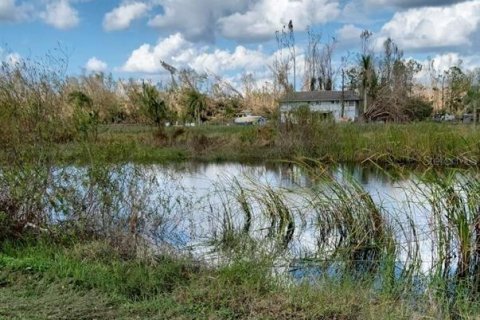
column 91, row 281
column 417, row 143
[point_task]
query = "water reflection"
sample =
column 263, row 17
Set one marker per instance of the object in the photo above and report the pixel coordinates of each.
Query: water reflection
column 207, row 209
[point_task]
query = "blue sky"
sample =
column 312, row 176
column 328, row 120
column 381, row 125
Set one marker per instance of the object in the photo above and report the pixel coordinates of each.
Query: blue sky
column 228, row 37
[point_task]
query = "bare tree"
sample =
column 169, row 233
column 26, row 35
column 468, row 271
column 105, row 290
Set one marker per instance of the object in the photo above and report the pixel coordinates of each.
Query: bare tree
column 285, row 58
column 325, row 66
column 311, row 61
column 320, row 72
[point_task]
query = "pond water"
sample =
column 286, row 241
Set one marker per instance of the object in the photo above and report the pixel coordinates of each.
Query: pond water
column 302, row 214
column 214, row 197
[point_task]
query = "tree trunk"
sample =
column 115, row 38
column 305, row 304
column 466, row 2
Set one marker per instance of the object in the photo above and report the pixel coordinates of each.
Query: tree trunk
column 365, row 109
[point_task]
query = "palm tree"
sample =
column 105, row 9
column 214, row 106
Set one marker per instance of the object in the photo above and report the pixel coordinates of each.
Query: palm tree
column 196, row 104
column 366, row 73
column 153, row 104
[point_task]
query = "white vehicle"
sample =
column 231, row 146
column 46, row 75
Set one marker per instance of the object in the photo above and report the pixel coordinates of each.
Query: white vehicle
column 448, row 117
column 247, row 118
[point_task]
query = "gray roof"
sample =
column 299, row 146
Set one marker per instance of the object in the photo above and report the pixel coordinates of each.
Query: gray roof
column 309, row 96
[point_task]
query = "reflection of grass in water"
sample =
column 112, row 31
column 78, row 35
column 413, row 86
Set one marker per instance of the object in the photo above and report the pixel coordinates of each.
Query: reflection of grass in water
column 362, row 238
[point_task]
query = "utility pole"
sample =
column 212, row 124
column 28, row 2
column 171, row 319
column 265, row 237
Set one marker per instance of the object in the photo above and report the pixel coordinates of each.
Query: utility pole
column 292, row 43
column 343, row 93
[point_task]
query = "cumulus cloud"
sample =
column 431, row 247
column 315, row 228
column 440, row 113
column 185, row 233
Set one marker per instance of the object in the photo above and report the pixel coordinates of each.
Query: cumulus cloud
column 95, row 65
column 412, row 3
column 176, row 50
column 264, row 17
column 60, row 14
column 240, row 20
column 7, row 10
column 434, row 27
column 443, row 62
column 349, row 33
column 122, row 16
column 440, row 63
column 147, row 57
column 196, row 20
column 12, row 12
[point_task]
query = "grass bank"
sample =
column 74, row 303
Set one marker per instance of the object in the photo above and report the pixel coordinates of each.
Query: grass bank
column 417, row 143
column 93, row 281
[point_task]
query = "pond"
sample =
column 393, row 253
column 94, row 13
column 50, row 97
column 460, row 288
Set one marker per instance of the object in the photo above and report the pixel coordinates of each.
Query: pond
column 315, row 213
column 304, row 216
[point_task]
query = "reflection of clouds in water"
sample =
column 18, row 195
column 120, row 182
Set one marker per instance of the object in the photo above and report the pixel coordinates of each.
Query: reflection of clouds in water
column 404, row 202
column 196, row 197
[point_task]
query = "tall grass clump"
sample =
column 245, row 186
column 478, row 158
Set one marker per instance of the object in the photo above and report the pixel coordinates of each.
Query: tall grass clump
column 306, row 133
column 38, row 195
column 453, row 200
column 31, row 123
column 33, row 107
column 423, row 254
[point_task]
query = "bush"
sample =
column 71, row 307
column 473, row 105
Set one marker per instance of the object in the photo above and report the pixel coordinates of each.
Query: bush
column 418, row 109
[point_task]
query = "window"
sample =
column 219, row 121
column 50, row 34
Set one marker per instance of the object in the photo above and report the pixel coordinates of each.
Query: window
column 351, row 103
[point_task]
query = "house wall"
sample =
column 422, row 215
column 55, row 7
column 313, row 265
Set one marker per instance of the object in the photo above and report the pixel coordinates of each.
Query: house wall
column 334, row 107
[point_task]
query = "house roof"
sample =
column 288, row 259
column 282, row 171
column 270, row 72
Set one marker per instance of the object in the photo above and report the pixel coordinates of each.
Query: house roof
column 309, row 96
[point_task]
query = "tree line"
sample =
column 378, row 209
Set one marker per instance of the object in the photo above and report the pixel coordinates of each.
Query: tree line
column 387, row 82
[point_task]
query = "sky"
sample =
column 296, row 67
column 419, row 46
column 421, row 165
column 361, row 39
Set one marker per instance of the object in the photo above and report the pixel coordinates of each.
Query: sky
column 129, row 38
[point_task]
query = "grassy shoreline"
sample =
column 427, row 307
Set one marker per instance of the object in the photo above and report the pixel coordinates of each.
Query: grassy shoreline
column 92, row 281
column 427, row 144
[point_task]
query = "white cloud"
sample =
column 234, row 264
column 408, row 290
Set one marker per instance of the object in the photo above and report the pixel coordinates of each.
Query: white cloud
column 121, row 17
column 264, row 17
column 95, row 65
column 443, row 62
column 241, row 20
column 10, row 58
column 349, row 33
column 412, row 3
column 10, row 11
column 434, row 27
column 147, row 58
column 224, row 60
column 13, row 58
column 7, row 10
column 182, row 53
column 196, row 20
column 60, row 14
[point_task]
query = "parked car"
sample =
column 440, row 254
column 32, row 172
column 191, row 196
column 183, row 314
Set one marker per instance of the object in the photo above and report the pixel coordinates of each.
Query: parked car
column 448, row 117
column 443, row 117
column 467, row 118
column 246, row 118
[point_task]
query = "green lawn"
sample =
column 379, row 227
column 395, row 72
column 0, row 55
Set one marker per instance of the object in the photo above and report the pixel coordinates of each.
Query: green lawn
column 90, row 281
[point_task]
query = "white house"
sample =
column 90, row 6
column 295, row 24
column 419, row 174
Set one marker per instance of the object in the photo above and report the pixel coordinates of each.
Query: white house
column 327, row 102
